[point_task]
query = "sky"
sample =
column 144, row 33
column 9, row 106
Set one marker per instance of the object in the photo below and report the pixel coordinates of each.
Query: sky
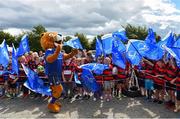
column 91, row 17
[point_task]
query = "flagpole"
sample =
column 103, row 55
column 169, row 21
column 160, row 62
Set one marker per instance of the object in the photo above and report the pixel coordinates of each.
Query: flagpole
column 135, row 48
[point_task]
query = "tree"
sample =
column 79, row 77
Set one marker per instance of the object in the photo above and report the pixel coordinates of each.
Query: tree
column 93, row 43
column 8, row 37
column 34, row 37
column 138, row 32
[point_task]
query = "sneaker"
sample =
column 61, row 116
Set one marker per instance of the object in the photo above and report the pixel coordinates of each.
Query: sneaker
column 86, row 97
column 94, row 99
column 20, row 95
column 8, row 95
column 155, row 100
column 160, row 102
column 25, row 96
column 78, row 97
column 65, row 97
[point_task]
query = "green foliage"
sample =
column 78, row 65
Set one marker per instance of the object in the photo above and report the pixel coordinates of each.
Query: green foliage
column 93, row 43
column 9, row 38
column 136, row 32
column 34, row 37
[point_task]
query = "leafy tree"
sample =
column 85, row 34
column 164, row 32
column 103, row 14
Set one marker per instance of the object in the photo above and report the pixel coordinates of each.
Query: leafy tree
column 93, row 43
column 8, row 37
column 34, row 37
column 138, row 32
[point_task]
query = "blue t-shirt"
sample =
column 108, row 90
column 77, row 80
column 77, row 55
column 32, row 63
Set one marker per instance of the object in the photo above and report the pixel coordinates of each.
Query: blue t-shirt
column 54, row 68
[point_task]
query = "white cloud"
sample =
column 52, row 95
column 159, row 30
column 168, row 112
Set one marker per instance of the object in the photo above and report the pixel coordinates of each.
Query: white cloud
column 88, row 16
column 15, row 31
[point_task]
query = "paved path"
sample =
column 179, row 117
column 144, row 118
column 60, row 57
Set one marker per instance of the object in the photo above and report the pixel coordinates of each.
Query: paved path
column 127, row 107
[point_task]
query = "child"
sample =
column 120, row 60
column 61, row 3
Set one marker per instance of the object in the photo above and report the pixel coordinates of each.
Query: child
column 107, row 76
column 12, row 85
column 67, row 76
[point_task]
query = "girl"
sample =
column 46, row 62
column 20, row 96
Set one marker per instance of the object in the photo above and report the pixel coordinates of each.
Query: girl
column 107, row 77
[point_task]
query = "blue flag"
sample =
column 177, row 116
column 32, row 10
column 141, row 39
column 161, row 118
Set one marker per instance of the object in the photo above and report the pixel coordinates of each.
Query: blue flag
column 4, row 57
column 121, row 34
column 151, row 39
column 15, row 65
column 23, row 46
column 118, row 48
column 74, row 43
column 34, row 83
column 168, row 41
column 177, row 43
column 173, row 51
column 135, row 51
column 76, row 78
column 88, row 80
column 107, row 43
column 95, row 67
column 99, row 48
column 154, row 52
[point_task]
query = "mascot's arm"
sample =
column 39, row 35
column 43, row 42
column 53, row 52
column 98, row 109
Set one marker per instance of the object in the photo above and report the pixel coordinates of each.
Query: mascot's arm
column 53, row 57
column 70, row 55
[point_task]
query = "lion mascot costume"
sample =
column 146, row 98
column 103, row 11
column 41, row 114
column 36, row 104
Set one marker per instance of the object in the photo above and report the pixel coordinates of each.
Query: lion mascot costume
column 51, row 42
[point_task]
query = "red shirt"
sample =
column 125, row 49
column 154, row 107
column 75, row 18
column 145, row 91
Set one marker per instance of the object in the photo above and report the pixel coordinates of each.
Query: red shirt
column 107, row 74
column 178, row 80
column 68, row 69
column 159, row 71
column 171, row 72
column 121, row 73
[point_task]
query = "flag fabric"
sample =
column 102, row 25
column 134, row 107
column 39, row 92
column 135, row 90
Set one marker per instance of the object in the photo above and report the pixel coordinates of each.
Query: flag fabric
column 15, row 65
column 74, row 43
column 173, row 51
column 76, row 78
column 99, row 48
column 34, row 83
column 118, row 49
column 151, row 39
column 168, row 41
column 88, row 80
column 154, row 52
column 135, row 51
column 4, row 58
column 177, row 43
column 23, row 46
column 107, row 44
column 121, row 34
column 97, row 68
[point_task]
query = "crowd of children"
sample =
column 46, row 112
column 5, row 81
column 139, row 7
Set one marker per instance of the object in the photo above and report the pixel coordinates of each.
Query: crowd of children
column 159, row 81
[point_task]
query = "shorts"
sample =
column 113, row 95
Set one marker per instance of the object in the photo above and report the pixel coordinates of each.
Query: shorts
column 141, row 82
column 158, row 87
column 178, row 95
column 54, row 79
column 170, row 86
column 149, row 84
column 107, row 85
